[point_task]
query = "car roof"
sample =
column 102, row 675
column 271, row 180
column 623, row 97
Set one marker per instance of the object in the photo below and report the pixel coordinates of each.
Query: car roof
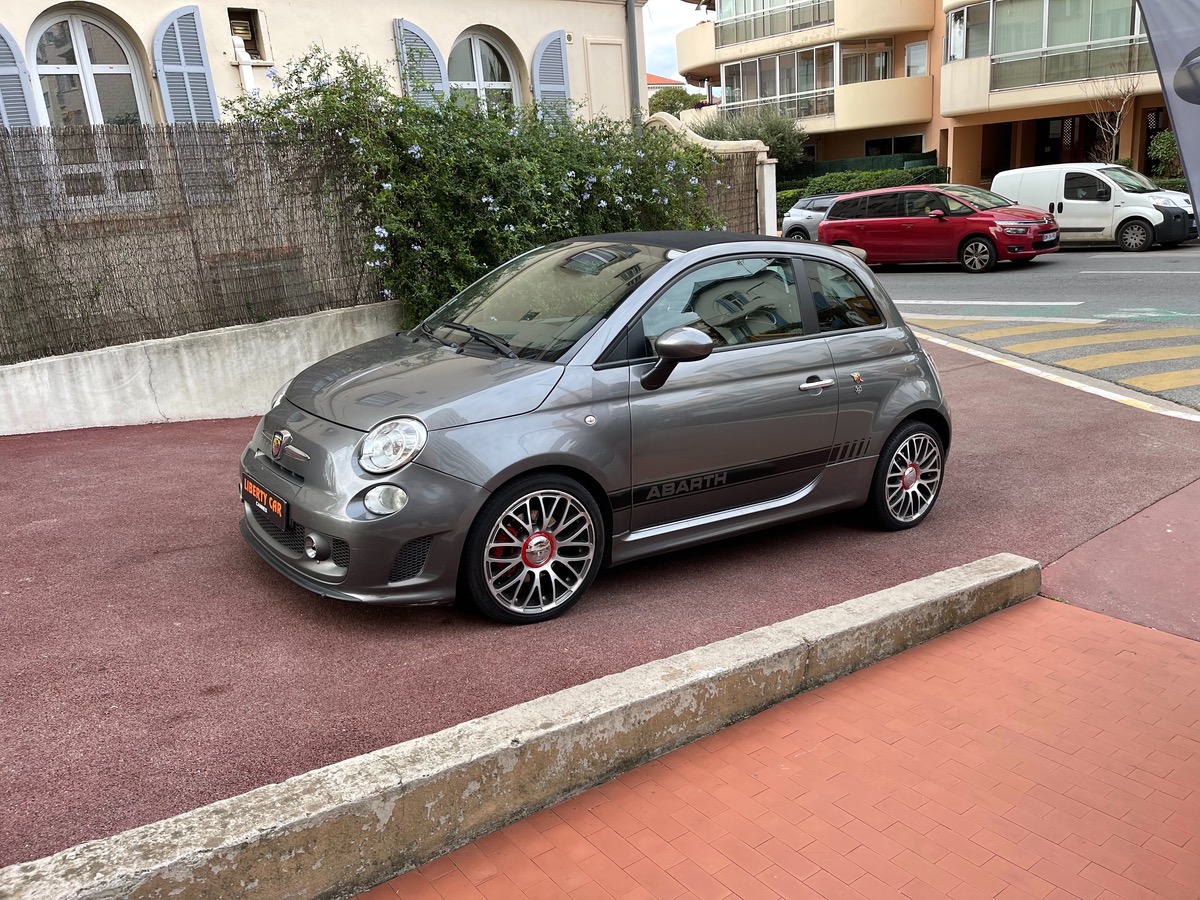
column 908, row 187
column 682, row 240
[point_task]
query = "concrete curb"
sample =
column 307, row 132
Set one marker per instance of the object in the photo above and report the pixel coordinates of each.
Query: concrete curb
column 341, row 829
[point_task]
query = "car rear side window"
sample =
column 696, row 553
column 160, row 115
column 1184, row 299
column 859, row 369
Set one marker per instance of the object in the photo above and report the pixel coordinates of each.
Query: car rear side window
column 841, row 301
column 881, row 206
column 853, row 208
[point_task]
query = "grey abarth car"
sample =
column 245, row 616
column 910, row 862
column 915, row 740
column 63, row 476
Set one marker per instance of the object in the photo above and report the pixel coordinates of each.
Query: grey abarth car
column 592, row 402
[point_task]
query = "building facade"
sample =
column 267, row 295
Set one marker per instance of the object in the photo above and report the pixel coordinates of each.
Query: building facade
column 151, row 61
column 986, row 85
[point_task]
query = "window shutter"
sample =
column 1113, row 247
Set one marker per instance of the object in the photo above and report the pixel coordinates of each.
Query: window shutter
column 422, row 66
column 551, row 86
column 181, row 65
column 16, row 110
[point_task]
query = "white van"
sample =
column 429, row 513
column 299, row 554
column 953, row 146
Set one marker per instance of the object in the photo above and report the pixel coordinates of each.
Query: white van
column 1101, row 203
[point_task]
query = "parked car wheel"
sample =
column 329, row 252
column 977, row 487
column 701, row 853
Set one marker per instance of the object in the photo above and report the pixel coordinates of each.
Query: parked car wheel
column 1135, row 236
column 534, row 549
column 977, row 254
column 798, row 234
column 908, row 477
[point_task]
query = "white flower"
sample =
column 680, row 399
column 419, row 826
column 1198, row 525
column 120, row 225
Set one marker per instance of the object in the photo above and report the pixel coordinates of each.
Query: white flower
column 379, row 248
column 387, row 185
column 417, row 248
column 380, row 231
column 414, row 151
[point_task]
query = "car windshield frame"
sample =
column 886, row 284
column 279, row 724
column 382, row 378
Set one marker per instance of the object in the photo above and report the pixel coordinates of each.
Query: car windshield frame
column 975, row 197
column 543, row 303
column 1129, row 180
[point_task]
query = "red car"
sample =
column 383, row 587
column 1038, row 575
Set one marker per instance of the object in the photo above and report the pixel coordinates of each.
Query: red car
column 939, row 223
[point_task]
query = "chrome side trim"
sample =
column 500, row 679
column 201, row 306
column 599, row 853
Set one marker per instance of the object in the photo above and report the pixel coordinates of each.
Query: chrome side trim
column 724, row 515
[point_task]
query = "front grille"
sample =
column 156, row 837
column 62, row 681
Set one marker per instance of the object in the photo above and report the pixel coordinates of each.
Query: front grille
column 292, row 538
column 410, row 560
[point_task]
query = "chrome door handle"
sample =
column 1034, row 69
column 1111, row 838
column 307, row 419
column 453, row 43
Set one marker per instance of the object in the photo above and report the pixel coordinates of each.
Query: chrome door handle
column 817, row 385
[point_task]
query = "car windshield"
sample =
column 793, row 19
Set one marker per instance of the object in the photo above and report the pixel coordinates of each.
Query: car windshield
column 1134, row 182
column 539, row 305
column 977, row 197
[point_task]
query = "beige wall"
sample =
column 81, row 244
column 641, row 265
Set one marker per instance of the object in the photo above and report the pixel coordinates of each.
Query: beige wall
column 291, row 26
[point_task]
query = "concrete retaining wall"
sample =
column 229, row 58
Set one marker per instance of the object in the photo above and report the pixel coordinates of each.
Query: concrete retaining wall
column 221, row 374
column 344, row 828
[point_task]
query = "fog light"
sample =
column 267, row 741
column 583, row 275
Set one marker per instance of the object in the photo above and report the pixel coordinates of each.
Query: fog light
column 385, row 499
column 317, row 547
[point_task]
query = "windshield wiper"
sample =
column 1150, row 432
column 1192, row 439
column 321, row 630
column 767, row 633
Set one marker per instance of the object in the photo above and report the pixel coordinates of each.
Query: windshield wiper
column 497, row 343
column 429, row 333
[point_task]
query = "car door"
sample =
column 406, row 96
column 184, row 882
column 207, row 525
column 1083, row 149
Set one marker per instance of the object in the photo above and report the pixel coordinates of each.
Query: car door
column 754, row 421
column 925, row 238
column 1086, row 207
column 879, row 230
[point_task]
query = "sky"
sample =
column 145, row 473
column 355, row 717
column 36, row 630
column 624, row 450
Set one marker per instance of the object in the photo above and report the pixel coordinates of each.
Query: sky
column 662, row 20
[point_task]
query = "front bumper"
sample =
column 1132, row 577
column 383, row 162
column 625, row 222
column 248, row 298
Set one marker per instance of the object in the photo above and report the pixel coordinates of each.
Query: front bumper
column 1034, row 242
column 409, row 557
column 1177, row 225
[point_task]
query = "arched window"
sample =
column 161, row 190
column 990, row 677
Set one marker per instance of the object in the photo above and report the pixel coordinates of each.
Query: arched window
column 87, row 72
column 478, row 67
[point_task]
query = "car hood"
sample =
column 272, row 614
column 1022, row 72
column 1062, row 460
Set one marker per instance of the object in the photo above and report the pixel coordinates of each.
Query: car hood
column 1019, row 212
column 397, row 376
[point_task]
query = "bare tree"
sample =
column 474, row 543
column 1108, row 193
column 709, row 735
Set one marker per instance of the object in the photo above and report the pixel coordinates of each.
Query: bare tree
column 1111, row 101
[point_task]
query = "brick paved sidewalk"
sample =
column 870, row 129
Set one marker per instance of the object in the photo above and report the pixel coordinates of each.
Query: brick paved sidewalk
column 1044, row 752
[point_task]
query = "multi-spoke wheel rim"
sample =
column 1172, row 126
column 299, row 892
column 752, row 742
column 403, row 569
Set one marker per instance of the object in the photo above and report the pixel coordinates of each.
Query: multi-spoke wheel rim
column 977, row 256
column 1135, row 236
column 539, row 552
column 914, row 473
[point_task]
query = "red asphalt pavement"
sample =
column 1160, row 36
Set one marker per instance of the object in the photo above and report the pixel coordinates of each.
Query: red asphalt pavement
column 151, row 663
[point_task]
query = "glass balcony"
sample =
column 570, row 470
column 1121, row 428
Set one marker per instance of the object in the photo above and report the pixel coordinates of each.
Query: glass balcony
column 783, row 19
column 797, row 106
column 1076, row 62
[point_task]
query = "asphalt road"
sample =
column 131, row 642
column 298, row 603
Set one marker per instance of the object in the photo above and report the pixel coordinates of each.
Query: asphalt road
column 1129, row 318
column 151, row 663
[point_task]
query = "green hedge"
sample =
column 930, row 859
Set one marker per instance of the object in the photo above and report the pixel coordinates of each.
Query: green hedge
column 847, row 182
column 1172, row 184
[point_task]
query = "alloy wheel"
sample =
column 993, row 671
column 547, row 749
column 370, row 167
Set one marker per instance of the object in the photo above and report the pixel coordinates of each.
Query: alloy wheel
column 977, row 256
column 539, row 552
column 913, row 476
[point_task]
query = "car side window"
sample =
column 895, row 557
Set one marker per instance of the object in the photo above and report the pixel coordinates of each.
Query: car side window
column 951, row 205
column 735, row 302
column 822, row 204
column 881, row 206
column 841, row 301
column 918, row 203
column 853, row 208
column 1082, row 186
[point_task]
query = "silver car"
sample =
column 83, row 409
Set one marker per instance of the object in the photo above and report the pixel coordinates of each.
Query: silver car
column 589, row 403
column 801, row 221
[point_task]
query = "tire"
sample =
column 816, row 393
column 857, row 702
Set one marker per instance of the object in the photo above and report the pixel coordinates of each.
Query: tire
column 977, row 255
column 798, row 234
column 908, row 477
column 534, row 549
column 1135, row 235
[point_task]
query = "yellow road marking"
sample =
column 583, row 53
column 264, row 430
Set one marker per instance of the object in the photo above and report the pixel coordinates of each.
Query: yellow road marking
column 981, row 353
column 943, row 323
column 1126, row 357
column 1119, row 337
column 1164, row 381
column 1023, row 329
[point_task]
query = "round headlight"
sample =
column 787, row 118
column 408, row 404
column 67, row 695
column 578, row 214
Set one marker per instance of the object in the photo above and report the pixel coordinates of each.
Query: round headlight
column 385, row 499
column 391, row 445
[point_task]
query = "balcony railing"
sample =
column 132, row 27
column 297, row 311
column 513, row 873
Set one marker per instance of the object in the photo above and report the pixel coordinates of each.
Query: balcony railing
column 797, row 106
column 1075, row 62
column 770, row 22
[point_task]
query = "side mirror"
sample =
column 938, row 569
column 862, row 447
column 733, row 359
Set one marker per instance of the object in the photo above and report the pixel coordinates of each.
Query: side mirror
column 937, row 214
column 1104, row 193
column 676, row 345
